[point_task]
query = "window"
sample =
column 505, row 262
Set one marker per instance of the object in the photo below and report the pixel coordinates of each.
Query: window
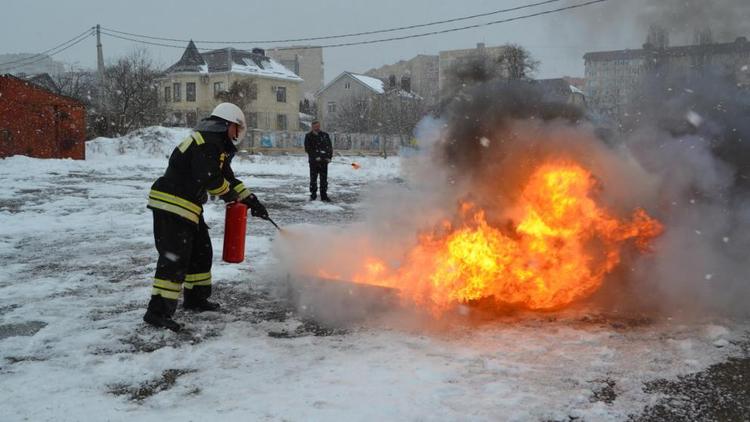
column 347, row 85
column 6, row 136
column 218, row 87
column 331, row 106
column 281, row 94
column 190, row 91
column 190, row 117
column 252, row 120
column 167, row 94
column 281, row 121
column 176, row 94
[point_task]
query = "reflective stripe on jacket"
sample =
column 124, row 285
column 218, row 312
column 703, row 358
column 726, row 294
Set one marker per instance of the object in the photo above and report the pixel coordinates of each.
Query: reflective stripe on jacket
column 198, row 166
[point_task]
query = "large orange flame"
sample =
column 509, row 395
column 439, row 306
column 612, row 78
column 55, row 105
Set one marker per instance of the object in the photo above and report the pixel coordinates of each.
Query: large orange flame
column 560, row 249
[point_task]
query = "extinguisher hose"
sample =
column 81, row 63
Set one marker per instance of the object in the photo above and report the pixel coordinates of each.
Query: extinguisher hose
column 272, row 222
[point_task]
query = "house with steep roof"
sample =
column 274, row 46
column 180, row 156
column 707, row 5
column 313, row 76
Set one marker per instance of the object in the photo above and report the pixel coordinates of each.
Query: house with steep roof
column 193, row 86
column 346, row 88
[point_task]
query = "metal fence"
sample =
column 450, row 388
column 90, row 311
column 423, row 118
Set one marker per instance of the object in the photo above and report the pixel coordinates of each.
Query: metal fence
column 369, row 143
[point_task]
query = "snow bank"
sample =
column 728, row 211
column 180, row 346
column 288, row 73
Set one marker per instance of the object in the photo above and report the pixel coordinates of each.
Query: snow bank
column 150, row 142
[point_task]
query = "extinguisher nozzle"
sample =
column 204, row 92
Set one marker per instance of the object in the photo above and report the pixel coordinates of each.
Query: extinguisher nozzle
column 272, row 222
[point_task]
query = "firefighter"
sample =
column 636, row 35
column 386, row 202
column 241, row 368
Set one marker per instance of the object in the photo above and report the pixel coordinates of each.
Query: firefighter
column 199, row 166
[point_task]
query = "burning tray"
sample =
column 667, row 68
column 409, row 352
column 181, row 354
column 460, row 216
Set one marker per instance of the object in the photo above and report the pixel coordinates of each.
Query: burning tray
column 338, row 301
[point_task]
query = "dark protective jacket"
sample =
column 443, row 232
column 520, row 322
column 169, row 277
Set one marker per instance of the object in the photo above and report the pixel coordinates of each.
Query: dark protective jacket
column 199, row 166
column 318, row 145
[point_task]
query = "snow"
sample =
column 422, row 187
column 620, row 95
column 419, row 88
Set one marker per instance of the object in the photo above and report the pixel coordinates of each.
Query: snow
column 270, row 69
column 576, row 90
column 77, row 253
column 694, row 118
column 373, row 83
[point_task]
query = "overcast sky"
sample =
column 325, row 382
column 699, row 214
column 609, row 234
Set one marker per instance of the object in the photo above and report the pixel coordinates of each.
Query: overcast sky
column 558, row 41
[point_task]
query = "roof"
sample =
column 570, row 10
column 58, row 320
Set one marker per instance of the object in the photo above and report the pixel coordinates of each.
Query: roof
column 13, row 79
column 231, row 60
column 191, row 60
column 556, row 88
column 373, row 84
column 43, row 80
column 740, row 45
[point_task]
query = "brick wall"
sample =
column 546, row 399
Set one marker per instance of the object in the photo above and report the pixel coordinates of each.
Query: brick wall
column 38, row 123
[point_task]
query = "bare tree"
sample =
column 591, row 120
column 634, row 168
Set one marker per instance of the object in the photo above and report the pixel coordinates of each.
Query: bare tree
column 398, row 112
column 516, row 62
column 129, row 96
column 78, row 84
column 513, row 63
column 353, row 115
column 241, row 93
column 703, row 36
column 658, row 37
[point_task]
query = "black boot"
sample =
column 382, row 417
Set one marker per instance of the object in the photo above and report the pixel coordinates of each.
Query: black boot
column 196, row 299
column 313, row 196
column 324, row 197
column 201, row 305
column 159, row 313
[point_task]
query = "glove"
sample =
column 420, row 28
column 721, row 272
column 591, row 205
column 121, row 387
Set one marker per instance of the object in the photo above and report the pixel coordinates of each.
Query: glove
column 230, row 196
column 256, row 208
column 327, row 160
column 317, row 158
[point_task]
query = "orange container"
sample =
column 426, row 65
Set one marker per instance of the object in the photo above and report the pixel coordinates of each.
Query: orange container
column 235, row 227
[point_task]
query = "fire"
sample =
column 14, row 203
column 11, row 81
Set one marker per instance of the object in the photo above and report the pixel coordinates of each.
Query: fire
column 559, row 249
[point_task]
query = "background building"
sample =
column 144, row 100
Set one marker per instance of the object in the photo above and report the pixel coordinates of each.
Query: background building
column 268, row 92
column 616, row 78
column 344, row 91
column 39, row 123
column 422, row 72
column 29, row 64
column 428, row 74
column 306, row 62
column 448, row 59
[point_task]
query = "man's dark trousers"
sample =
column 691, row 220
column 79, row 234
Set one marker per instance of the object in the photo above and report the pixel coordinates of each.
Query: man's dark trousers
column 319, row 168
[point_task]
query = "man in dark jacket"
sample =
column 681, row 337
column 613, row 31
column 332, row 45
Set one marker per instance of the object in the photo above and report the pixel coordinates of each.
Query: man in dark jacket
column 319, row 153
column 199, row 166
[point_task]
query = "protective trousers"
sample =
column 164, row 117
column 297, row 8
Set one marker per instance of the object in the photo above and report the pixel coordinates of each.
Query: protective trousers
column 185, row 256
column 319, row 169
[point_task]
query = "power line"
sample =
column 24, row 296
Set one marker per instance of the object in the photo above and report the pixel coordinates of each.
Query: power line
column 463, row 28
column 353, row 34
column 46, row 53
column 404, row 37
column 158, row 44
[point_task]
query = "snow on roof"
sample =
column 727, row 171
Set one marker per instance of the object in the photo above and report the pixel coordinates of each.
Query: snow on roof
column 575, row 90
column 270, row 69
column 231, row 60
column 372, row 83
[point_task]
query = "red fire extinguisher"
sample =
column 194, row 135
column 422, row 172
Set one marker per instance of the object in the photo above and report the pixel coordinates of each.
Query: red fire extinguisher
column 234, row 233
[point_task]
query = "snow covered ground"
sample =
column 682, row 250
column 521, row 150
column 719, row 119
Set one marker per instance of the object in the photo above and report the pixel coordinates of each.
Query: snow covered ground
column 77, row 260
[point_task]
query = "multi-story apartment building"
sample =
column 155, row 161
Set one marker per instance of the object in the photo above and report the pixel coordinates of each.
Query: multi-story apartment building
column 428, row 74
column 306, row 62
column 614, row 79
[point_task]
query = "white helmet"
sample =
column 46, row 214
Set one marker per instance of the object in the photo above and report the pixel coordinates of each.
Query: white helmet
column 232, row 114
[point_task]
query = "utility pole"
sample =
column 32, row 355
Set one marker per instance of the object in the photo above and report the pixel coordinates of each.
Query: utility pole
column 99, row 55
column 99, row 101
